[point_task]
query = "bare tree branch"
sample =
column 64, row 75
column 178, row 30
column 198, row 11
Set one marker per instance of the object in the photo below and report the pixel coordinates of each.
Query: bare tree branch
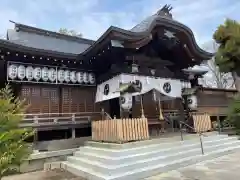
column 215, row 78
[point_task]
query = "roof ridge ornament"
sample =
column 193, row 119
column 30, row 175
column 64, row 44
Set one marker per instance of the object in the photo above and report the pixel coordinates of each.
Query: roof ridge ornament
column 165, row 11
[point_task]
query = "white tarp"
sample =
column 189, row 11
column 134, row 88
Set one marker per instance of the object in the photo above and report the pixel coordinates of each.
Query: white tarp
column 168, row 87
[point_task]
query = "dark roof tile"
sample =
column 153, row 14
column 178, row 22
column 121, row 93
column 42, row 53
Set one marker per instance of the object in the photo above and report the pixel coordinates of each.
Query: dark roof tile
column 47, row 40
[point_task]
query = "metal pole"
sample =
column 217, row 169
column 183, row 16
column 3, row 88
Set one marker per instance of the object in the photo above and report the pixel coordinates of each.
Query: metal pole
column 120, row 106
column 180, row 124
column 219, row 124
column 201, row 143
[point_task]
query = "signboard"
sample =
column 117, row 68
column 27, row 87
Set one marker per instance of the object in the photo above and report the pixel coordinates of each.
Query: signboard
column 42, row 74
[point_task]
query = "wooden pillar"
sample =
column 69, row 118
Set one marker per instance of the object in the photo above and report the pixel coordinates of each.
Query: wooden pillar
column 181, row 110
column 73, row 133
column 219, row 124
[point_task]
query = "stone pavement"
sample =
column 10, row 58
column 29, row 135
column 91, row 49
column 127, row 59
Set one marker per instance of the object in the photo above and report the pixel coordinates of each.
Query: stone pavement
column 57, row 174
column 223, row 168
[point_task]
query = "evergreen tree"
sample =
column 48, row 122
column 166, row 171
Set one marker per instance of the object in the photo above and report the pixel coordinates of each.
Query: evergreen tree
column 13, row 149
column 228, row 54
column 233, row 117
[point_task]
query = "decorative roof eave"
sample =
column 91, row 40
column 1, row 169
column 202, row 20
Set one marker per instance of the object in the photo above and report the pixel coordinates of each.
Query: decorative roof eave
column 42, row 52
column 135, row 37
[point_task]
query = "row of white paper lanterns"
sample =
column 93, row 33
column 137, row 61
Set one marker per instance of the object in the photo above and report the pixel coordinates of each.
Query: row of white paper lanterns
column 50, row 74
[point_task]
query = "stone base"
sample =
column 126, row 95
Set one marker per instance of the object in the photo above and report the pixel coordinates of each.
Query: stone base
column 138, row 160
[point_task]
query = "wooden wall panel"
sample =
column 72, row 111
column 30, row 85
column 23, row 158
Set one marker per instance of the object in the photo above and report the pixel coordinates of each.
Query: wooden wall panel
column 41, row 99
column 212, row 100
column 136, row 109
column 78, row 99
column 149, row 105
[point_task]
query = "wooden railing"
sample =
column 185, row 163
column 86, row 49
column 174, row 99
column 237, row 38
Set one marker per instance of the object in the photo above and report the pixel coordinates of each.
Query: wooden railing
column 53, row 119
column 120, row 130
column 201, row 122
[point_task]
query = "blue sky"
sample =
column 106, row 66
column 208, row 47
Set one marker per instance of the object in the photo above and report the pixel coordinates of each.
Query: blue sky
column 93, row 17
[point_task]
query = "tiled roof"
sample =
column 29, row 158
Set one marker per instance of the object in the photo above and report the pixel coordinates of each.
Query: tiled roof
column 47, row 41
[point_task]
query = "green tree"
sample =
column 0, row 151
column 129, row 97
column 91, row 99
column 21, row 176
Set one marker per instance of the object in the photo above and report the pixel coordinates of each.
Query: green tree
column 13, row 149
column 69, row 32
column 233, row 117
column 228, row 54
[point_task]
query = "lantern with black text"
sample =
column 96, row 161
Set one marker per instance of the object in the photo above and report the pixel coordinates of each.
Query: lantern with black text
column 192, row 101
column 52, row 75
column 126, row 101
column 21, row 72
column 37, row 73
column 92, row 78
column 45, row 74
column 29, row 73
column 85, row 78
column 73, row 77
column 12, row 71
column 80, row 77
column 61, row 75
column 67, row 76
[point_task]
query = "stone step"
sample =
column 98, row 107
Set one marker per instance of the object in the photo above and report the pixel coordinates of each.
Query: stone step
column 132, row 162
column 188, row 138
column 147, row 171
column 139, row 163
column 115, row 160
column 149, row 148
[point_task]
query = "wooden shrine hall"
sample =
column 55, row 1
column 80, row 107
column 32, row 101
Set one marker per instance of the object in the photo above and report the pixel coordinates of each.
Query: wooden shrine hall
column 69, row 82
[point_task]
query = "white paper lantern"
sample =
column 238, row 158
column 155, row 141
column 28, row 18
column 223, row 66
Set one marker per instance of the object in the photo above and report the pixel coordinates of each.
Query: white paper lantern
column 85, row 78
column 126, row 101
column 29, row 73
column 80, row 77
column 192, row 101
column 61, row 75
column 21, row 72
column 44, row 74
column 52, row 75
column 37, row 73
column 92, row 78
column 67, row 76
column 73, row 77
column 12, row 71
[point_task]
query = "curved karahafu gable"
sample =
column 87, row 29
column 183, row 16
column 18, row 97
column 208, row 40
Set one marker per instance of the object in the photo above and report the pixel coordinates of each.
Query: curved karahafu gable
column 141, row 34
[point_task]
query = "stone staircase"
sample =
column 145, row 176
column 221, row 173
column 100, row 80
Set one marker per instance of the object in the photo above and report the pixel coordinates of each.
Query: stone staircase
column 139, row 160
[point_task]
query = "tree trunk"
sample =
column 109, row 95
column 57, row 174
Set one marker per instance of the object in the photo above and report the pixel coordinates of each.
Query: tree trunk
column 236, row 79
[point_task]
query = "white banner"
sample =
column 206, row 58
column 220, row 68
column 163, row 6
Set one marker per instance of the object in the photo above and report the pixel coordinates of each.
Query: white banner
column 110, row 89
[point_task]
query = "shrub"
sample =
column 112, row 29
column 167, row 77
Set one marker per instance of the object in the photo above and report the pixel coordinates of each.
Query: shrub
column 13, row 148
